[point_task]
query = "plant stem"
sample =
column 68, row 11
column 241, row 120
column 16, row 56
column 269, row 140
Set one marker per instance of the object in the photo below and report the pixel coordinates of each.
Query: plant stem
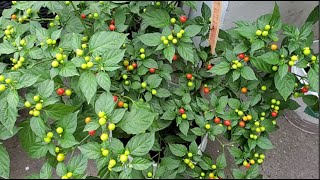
column 124, row 97
column 78, row 145
column 43, row 19
column 75, row 9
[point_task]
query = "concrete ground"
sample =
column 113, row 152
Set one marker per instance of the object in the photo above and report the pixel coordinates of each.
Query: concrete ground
column 296, row 155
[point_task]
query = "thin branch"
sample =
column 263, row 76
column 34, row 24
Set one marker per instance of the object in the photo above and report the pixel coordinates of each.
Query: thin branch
column 75, row 9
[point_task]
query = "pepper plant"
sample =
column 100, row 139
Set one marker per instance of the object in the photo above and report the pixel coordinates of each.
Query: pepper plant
column 124, row 84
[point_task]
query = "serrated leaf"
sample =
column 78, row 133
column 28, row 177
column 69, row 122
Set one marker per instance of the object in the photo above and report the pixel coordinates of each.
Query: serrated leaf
column 168, row 53
column 88, row 85
column 104, row 81
column 192, row 30
column 178, row 149
column 285, row 86
column 158, row 18
column 186, row 52
column 220, row 69
column 141, row 144
column 103, row 40
column 247, row 73
column 150, row 39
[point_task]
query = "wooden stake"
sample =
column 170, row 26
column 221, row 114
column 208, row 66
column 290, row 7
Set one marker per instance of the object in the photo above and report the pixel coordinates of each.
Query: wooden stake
column 215, row 24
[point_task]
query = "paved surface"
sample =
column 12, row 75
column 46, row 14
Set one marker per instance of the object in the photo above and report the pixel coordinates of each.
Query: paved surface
column 296, row 155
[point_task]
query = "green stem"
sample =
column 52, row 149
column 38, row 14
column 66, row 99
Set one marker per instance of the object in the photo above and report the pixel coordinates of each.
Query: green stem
column 124, row 97
column 75, row 9
column 77, row 146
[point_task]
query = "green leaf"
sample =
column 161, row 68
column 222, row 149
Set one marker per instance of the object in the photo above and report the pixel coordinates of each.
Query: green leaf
column 116, row 146
column 313, row 16
column 234, row 103
column 178, row 149
column 112, row 57
column 261, row 65
column 235, row 152
column 313, row 77
column 9, row 111
column 238, row 174
column 269, row 57
column 264, row 143
column 101, row 41
column 197, row 131
column 275, row 15
column 169, row 52
column 310, row 100
column 285, row 86
column 117, row 115
column 186, row 98
column 251, row 144
column 157, row 18
column 150, row 39
column 163, row 93
column 88, row 85
column 205, row 11
column 6, row 48
column 78, row 165
column 61, row 169
column 216, row 130
column 221, row 161
column 74, row 24
column 169, row 163
column 5, row 134
column 140, row 163
column 104, row 81
column 240, row 48
column 191, row 4
column 68, row 122
column 255, row 100
column 46, row 171
column 247, row 31
column 91, row 150
column 27, row 80
column 150, row 63
column 4, row 163
column 58, row 110
column 283, row 70
column 56, row 34
column 46, row 88
column 68, row 70
column 137, row 120
column 169, row 115
column 26, row 136
column 293, row 105
column 153, row 81
column 67, row 141
column 235, row 75
column 253, row 172
column 38, row 127
column 220, row 69
column 38, row 150
column 186, row 51
column 184, row 127
column 93, row 125
column 192, row 30
column 105, row 103
column 141, row 144
column 36, row 53
column 247, row 73
column 256, row 45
